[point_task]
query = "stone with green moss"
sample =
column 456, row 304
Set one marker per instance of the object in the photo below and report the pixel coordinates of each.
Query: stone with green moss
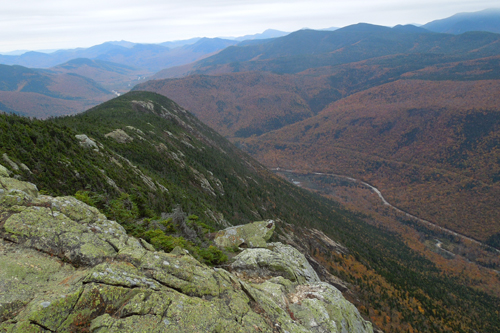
column 11, row 184
column 120, row 274
column 181, row 273
column 322, row 307
column 130, row 249
column 250, row 235
column 76, row 210
column 95, row 300
column 14, row 198
column 24, row 327
column 4, row 172
column 50, row 231
column 279, row 260
column 24, row 273
column 50, row 310
column 66, row 268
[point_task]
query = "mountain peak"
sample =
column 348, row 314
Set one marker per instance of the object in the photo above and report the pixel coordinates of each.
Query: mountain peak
column 485, row 20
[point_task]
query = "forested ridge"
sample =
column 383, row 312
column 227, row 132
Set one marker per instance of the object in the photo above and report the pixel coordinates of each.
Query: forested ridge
column 413, row 112
column 169, row 162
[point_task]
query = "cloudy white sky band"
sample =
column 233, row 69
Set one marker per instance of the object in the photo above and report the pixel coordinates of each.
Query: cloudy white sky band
column 56, row 24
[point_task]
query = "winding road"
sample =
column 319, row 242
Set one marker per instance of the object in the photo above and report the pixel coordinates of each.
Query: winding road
column 385, row 202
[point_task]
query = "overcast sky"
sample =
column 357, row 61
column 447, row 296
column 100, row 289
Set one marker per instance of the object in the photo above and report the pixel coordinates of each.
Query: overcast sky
column 57, row 24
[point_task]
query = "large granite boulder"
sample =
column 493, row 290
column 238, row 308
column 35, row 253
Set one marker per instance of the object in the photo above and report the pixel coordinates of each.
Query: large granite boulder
column 248, row 235
column 120, row 136
column 64, row 267
column 278, row 260
column 86, row 142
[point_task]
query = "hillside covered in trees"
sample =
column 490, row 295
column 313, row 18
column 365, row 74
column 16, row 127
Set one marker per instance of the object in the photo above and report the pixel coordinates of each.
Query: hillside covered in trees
column 150, row 165
column 411, row 111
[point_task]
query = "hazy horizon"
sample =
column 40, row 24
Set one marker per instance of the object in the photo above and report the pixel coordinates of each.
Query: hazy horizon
column 54, row 24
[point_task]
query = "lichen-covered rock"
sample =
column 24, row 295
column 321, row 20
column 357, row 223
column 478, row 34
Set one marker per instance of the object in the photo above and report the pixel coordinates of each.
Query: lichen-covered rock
column 12, row 164
column 181, row 272
column 86, row 142
column 280, row 260
column 321, row 307
column 12, row 185
column 110, row 282
column 120, row 274
column 50, row 231
column 120, row 136
column 25, row 273
column 4, row 172
column 250, row 235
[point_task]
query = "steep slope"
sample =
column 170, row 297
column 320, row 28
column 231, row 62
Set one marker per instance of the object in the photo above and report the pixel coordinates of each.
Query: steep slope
column 40, row 93
column 244, row 104
column 460, row 112
column 144, row 155
column 431, row 147
column 486, row 20
column 115, row 283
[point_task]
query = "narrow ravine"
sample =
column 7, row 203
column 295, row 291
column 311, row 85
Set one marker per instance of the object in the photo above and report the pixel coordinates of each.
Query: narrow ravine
column 385, row 202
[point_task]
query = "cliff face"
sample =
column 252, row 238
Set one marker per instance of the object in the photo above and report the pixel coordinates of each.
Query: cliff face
column 64, row 267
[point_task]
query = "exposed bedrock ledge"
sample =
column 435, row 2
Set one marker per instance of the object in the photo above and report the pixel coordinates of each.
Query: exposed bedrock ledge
column 64, row 267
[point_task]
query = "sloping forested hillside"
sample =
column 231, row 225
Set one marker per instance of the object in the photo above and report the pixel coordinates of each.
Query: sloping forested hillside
column 144, row 156
column 413, row 112
column 40, row 93
column 431, row 147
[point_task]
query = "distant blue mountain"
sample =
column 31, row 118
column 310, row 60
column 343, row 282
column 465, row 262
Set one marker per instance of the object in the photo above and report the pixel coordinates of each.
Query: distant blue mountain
column 152, row 57
column 179, row 43
column 485, row 20
column 269, row 33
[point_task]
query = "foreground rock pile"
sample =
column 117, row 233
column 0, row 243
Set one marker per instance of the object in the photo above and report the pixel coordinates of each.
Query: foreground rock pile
column 64, row 267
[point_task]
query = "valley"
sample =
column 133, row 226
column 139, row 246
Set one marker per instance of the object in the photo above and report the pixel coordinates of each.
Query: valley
column 385, row 202
column 71, row 81
column 374, row 151
column 420, row 127
column 384, row 137
column 166, row 161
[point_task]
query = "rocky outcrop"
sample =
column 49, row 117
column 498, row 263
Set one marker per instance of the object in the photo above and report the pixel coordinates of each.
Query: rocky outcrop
column 86, row 142
column 13, row 165
column 248, row 235
column 277, row 260
column 315, row 245
column 120, row 136
column 64, row 267
column 4, row 172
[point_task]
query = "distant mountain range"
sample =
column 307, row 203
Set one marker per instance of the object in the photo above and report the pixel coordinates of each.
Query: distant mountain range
column 486, row 20
column 152, row 57
column 44, row 93
column 269, row 33
column 111, row 76
column 305, row 49
column 254, row 96
column 412, row 112
column 75, row 80
column 392, row 106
